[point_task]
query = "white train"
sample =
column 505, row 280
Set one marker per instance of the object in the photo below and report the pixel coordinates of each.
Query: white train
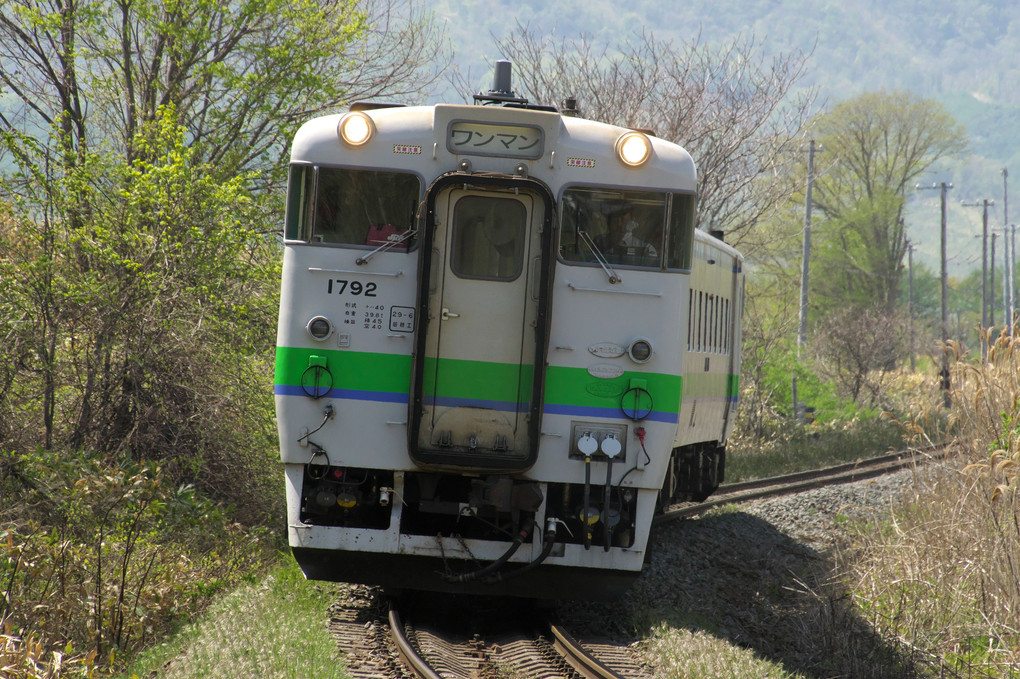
column 503, row 346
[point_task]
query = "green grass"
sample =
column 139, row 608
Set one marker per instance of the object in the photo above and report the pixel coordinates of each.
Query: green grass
column 272, row 629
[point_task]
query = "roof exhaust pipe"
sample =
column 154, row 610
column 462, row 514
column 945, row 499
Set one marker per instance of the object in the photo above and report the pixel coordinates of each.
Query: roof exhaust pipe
column 502, row 87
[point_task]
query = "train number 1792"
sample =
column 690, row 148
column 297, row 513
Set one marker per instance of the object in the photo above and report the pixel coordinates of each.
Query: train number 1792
column 340, row 287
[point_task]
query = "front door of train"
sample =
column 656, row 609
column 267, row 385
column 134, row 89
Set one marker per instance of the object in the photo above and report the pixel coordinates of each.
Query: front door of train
column 477, row 379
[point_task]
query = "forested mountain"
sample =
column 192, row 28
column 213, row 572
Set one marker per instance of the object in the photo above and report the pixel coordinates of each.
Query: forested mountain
column 857, row 45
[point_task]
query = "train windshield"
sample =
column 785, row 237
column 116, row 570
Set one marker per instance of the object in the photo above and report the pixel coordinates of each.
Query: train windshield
column 351, row 207
column 648, row 229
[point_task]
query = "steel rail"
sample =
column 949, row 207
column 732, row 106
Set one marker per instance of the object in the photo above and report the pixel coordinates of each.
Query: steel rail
column 412, row 659
column 583, row 662
column 788, row 484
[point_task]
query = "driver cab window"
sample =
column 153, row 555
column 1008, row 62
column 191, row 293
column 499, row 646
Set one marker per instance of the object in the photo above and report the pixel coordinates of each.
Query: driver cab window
column 351, row 207
column 622, row 227
column 648, row 229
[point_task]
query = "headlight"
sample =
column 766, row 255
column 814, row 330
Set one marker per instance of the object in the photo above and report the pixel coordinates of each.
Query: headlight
column 355, row 129
column 320, row 328
column 640, row 350
column 633, row 148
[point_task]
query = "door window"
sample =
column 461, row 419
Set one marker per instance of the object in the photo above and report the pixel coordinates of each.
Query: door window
column 488, row 238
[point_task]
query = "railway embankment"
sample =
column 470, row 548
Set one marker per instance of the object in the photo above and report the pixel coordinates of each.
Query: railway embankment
column 771, row 588
column 756, row 590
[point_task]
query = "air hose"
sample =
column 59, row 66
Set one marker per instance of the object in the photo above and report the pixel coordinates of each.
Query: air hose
column 547, row 546
column 492, row 567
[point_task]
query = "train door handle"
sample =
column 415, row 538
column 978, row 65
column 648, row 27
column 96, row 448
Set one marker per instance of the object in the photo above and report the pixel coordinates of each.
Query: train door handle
column 447, row 314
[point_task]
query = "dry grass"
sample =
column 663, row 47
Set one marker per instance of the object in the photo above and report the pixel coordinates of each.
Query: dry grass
column 98, row 561
column 30, row 659
column 686, row 654
column 944, row 575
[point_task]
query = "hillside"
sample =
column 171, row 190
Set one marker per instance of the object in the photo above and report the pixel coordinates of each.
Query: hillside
column 962, row 54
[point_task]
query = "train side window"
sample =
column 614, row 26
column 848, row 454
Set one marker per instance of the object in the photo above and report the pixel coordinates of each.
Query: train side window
column 703, row 342
column 363, row 208
column 691, row 320
column 713, row 321
column 681, row 231
column 300, row 194
column 701, row 318
column 722, row 326
column 488, row 238
column 717, row 325
column 726, row 327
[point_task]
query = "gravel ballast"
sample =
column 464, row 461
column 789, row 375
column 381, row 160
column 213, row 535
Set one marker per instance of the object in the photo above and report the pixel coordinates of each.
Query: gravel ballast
column 760, row 578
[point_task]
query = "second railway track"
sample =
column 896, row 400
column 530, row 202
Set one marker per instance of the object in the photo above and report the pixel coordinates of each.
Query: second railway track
column 746, row 491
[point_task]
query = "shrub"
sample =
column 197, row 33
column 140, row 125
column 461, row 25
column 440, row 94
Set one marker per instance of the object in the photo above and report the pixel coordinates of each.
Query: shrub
column 103, row 558
column 944, row 574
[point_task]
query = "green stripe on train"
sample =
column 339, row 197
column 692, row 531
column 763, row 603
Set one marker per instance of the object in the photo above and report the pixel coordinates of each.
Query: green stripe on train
column 577, row 387
column 361, row 370
column 480, row 380
column 369, row 371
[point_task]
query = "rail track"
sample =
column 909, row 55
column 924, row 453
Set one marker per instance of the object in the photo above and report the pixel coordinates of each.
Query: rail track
column 736, row 493
column 520, row 646
column 486, row 642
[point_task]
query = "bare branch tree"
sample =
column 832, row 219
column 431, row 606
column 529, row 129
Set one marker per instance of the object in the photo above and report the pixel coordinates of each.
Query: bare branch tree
column 731, row 106
column 241, row 76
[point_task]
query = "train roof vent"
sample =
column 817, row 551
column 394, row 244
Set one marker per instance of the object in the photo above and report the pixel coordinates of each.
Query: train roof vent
column 501, row 92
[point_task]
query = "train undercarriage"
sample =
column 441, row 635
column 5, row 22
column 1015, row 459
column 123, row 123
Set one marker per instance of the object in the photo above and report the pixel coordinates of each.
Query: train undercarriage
column 530, row 521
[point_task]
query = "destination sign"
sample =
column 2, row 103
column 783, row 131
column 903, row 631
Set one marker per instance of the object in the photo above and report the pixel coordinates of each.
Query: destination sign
column 489, row 139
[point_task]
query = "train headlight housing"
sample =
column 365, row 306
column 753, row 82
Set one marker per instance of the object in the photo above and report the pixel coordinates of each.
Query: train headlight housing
column 355, row 129
column 320, row 328
column 633, row 148
column 640, row 350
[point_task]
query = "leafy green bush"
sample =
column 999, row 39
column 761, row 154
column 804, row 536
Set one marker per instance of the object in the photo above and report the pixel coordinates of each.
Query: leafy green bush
column 106, row 557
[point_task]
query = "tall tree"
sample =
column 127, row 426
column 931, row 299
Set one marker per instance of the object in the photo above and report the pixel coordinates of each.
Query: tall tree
column 876, row 145
column 134, row 139
column 239, row 75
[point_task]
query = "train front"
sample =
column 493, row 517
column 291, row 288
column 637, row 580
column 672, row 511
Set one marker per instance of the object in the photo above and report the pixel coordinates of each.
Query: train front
column 478, row 367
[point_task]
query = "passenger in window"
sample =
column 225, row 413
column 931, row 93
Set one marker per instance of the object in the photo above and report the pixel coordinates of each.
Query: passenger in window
column 626, row 239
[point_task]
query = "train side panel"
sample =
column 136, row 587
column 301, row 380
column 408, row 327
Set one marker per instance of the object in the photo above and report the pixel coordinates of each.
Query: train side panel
column 712, row 341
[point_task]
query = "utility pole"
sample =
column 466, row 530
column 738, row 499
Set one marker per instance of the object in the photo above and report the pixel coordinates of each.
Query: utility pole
column 1006, row 322
column 804, row 264
column 910, row 270
column 1012, row 228
column 806, row 255
column 991, row 282
column 944, row 372
column 1008, row 245
column 986, row 316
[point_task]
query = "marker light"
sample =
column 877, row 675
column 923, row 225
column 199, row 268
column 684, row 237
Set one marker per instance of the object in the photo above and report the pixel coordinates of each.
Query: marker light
column 633, row 148
column 355, row 129
column 320, row 328
column 640, row 350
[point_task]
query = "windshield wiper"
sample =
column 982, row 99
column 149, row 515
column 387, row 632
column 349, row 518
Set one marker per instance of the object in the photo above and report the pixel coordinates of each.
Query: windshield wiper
column 392, row 242
column 599, row 257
